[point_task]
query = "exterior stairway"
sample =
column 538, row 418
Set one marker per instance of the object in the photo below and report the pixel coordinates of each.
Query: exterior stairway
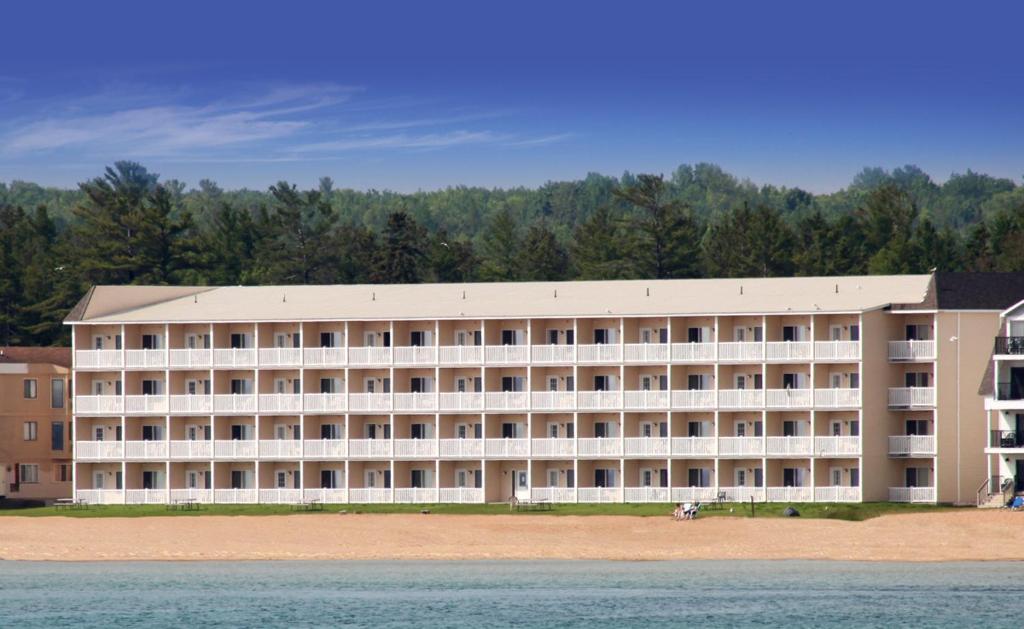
column 995, row 501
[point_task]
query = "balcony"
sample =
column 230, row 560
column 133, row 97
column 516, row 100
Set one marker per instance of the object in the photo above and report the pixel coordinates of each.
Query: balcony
column 912, row 397
column 647, row 446
column 280, row 357
column 415, row 402
column 912, row 494
column 553, row 494
column 694, row 494
column 553, row 354
column 693, row 446
column 145, row 359
column 461, row 401
column 98, row 359
column 145, row 450
column 599, row 400
column 461, row 448
column 741, row 446
column 201, row 496
column 646, row 494
column 280, row 449
column 841, row 351
column 1006, row 439
column 790, row 494
column 99, row 405
column 837, row 398
column 326, row 449
column 369, row 402
column 910, row 351
column 646, row 353
column 837, row 446
column 371, row 495
column 743, row 494
column 1009, row 392
column 325, row 495
column 507, row 401
column 837, row 494
column 325, row 357
column 191, row 450
column 599, row 446
column 145, row 496
column 599, row 353
column 99, row 450
column 912, row 445
column 599, row 494
column 191, row 358
column 461, row 355
column 731, row 399
column 415, row 448
column 236, row 449
column 280, row 495
column 416, row 495
column 190, row 404
column 416, row 355
column 693, row 399
column 554, row 448
column 235, row 496
column 145, row 404
column 1009, row 346
column 506, row 354
column 369, row 356
column 740, row 352
column 100, row 496
column 646, row 400
column 508, row 448
column 788, row 398
column 693, row 352
column 789, row 446
column 280, row 403
column 235, row 357
column 324, row 403
column 789, row 351
column 553, row 400
column 369, row 448
column 234, row 403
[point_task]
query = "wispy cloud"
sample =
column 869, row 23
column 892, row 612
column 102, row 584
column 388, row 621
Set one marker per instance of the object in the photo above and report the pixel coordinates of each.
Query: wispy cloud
column 541, row 141
column 403, row 141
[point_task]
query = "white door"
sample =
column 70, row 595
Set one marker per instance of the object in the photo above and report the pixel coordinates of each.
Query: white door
column 192, row 479
column 520, row 484
column 371, row 479
column 461, row 478
column 552, row 478
column 97, row 480
column 835, row 474
column 741, row 477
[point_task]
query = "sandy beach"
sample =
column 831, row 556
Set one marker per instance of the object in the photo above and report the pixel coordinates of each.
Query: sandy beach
column 943, row 536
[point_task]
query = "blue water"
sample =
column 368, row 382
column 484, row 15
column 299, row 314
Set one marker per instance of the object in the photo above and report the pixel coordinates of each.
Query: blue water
column 507, row 593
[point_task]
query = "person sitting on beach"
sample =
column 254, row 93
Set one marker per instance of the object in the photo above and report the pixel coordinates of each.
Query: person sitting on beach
column 677, row 514
column 1017, row 504
column 691, row 512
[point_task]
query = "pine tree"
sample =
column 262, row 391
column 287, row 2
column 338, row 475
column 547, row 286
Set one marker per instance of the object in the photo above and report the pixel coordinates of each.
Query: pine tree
column 402, row 251
column 500, row 247
column 543, row 258
column 451, row 259
column 598, row 249
column 749, row 243
column 296, row 246
column 665, row 239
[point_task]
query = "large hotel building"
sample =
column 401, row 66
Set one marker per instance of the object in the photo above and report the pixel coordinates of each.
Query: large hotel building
column 839, row 389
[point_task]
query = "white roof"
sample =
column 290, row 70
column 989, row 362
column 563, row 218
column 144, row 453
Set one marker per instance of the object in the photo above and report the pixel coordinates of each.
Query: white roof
column 152, row 304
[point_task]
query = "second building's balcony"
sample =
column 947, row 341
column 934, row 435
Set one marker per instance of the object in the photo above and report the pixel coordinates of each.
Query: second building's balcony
column 741, row 446
column 507, row 401
column 912, row 397
column 328, row 449
column 191, row 358
column 145, row 359
column 280, row 357
column 646, row 353
column 461, row 448
column 415, row 402
column 788, row 398
column 324, row 403
column 553, row 354
column 599, row 446
column 646, row 494
column 280, row 403
column 369, row 402
column 599, row 400
column 912, row 445
column 415, row 448
column 553, row 400
column 789, row 446
column 554, row 447
column 646, row 400
column 912, row 494
column 837, row 446
column 145, row 404
column 280, row 449
column 145, row 450
column 693, row 446
column 647, row 446
column 235, row 449
column 234, row 403
column 461, row 355
column 729, row 399
column 98, row 359
column 837, row 398
column 508, row 448
column 909, row 351
column 693, row 399
column 461, row 401
column 191, row 404
column 191, row 450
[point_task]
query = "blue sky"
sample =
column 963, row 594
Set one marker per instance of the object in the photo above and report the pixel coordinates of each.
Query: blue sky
column 409, row 96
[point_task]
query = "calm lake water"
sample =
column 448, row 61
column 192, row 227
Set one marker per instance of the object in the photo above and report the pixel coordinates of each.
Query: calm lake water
column 506, row 593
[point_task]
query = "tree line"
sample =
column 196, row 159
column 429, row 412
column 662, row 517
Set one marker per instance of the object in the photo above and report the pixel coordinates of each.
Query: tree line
column 128, row 227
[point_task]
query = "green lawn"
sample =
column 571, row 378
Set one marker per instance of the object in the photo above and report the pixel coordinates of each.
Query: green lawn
column 854, row 512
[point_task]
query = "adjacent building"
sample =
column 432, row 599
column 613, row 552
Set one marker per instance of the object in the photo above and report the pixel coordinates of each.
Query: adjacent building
column 842, row 389
column 1003, row 388
column 35, row 423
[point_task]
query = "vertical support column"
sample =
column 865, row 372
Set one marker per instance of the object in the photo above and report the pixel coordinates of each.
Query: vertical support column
column 575, row 407
column 71, row 393
column 256, row 415
column 622, row 406
column 716, row 414
column 860, row 408
column 668, row 380
column 213, row 456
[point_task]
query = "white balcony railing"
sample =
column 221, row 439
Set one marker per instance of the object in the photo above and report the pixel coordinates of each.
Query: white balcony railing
column 234, row 403
column 186, row 404
column 694, row 494
column 507, row 401
column 837, row 446
column 646, row 400
column 415, row 401
column 191, row 449
column 99, row 450
column 646, row 446
column 280, row 448
column 98, row 404
column 369, row 448
column 145, row 496
column 599, row 446
column 371, row 495
column 553, row 494
column 911, row 350
column 191, row 358
column 460, row 355
column 741, row 446
column 597, row 400
column 599, row 353
column 788, row 351
column 280, row 357
column 789, row 446
column 415, row 448
column 369, row 402
column 280, row 403
column 326, row 495
column 280, row 495
column 145, row 359
column 646, row 494
column 553, row 354
column 788, row 398
column 508, row 448
column 837, row 350
column 416, row 495
column 461, row 401
column 836, row 398
column 202, row 496
column 98, row 359
column 646, row 352
column 145, row 450
column 325, row 356
column 693, row 352
column 599, row 494
column 416, row 355
column 235, row 449
column 790, row 494
column 911, row 494
column 553, row 400
column 460, row 495
column 145, row 404
column 325, row 448
column 101, row 496
column 462, row 448
column 369, row 356
column 693, row 399
column 741, row 398
column 553, row 447
column 912, row 397
column 743, row 494
column 912, row 445
column 739, row 351
column 235, row 357
column 506, row 354
column 235, row 496
column 693, row 446
column 837, row 494
column 324, row 403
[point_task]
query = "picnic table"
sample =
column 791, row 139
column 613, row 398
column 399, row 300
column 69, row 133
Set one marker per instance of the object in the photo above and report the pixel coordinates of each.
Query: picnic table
column 308, row 505
column 183, row 504
column 529, row 505
column 70, row 503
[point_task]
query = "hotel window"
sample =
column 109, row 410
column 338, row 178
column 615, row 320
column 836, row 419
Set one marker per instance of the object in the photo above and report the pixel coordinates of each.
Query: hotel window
column 699, row 477
column 239, row 341
column 57, row 435
column 512, row 383
column 854, row 428
column 835, row 333
column 606, row 430
column 152, row 387
column 918, row 477
column 854, row 332
column 330, row 339
column 605, row 336
column 700, row 382
column 421, row 338
column 197, row 341
column 854, row 477
column 421, row 431
column 605, row 477
column 56, row 393
column 919, row 332
column 605, row 383
column 513, row 337
column 854, row 380
column 698, row 335
column 61, row 473
column 793, row 477
column 28, row 473
column 151, row 341
column 30, row 431
column 330, row 479
column 330, row 431
column 917, row 379
column 421, row 384
column 552, row 337
column 31, row 389
column 552, row 383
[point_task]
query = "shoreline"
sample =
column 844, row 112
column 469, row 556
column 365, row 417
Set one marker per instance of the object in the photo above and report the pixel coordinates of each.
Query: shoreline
column 968, row 535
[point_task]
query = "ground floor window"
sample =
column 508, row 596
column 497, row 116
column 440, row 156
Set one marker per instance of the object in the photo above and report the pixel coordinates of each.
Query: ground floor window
column 28, row 473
